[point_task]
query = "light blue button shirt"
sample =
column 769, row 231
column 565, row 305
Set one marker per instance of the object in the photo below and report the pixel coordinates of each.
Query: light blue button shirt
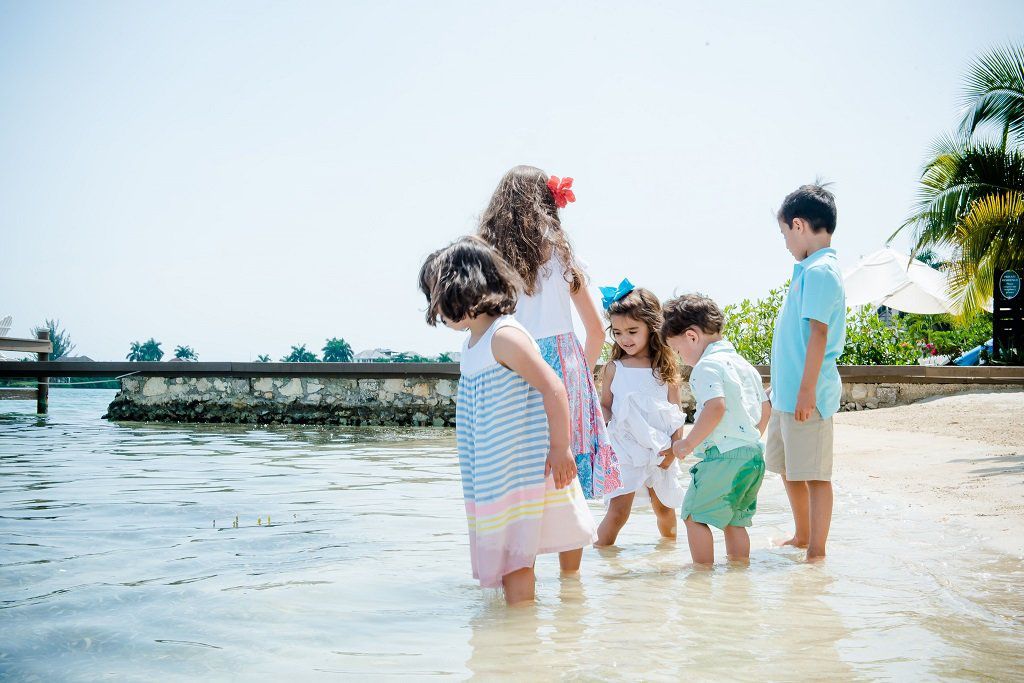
column 815, row 293
column 723, row 373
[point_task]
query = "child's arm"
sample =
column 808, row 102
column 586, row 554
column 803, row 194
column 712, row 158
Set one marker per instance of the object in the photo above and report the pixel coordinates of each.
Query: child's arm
column 710, row 415
column 606, row 391
column 514, row 349
column 675, row 398
column 587, row 309
column 766, row 414
column 806, row 398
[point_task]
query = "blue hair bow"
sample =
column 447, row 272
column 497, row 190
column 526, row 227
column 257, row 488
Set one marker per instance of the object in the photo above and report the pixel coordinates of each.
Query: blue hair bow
column 610, row 295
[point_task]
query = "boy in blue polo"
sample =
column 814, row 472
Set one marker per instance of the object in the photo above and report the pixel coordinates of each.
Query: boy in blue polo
column 805, row 387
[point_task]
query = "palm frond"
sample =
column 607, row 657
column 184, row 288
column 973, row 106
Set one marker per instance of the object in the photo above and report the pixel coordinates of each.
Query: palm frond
column 994, row 91
column 990, row 236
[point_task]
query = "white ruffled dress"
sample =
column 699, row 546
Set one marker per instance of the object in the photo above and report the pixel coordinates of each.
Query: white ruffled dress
column 642, row 425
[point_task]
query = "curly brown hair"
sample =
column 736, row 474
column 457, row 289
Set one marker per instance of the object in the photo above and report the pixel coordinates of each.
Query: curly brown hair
column 641, row 305
column 521, row 222
column 467, row 279
column 691, row 310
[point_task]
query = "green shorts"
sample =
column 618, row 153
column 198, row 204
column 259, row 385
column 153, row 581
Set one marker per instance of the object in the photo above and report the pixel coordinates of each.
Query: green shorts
column 723, row 489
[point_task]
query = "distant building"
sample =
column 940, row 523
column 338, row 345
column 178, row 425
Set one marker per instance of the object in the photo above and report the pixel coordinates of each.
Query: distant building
column 375, row 356
column 75, row 359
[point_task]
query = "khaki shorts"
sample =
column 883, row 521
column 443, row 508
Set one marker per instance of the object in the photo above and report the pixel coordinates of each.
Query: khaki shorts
column 800, row 451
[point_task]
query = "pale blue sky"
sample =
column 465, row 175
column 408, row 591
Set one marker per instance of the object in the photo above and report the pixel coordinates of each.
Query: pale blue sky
column 243, row 176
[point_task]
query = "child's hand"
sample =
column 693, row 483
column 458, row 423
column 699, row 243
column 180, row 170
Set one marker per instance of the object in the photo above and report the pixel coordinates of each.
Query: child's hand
column 562, row 466
column 668, row 457
column 682, row 448
column 805, row 404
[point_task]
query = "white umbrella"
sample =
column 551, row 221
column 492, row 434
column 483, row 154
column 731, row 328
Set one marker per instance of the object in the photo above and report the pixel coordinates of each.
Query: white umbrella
column 889, row 278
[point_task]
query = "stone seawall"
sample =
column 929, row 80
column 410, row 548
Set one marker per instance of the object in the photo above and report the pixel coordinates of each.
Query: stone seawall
column 406, row 401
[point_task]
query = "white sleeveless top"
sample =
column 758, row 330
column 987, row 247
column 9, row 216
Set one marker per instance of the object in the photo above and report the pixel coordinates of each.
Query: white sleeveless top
column 548, row 311
column 635, row 380
column 479, row 357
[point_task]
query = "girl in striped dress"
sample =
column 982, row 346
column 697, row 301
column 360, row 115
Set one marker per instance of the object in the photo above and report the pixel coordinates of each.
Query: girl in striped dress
column 522, row 224
column 512, row 426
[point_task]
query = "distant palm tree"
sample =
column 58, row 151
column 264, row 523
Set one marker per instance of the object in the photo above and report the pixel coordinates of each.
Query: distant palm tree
column 263, row 358
column 185, row 353
column 971, row 197
column 337, row 351
column 299, row 354
column 147, row 351
column 445, row 357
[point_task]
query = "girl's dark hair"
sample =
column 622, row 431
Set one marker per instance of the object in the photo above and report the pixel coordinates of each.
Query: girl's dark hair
column 643, row 306
column 467, row 279
column 691, row 310
column 521, row 222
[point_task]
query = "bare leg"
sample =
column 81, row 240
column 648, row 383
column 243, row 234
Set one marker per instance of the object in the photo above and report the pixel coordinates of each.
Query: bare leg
column 798, row 501
column 702, row 543
column 570, row 560
column 737, row 543
column 666, row 516
column 520, row 587
column 614, row 519
column 820, row 495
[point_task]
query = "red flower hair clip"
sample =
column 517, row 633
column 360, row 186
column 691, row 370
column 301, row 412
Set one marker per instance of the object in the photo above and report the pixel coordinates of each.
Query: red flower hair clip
column 561, row 190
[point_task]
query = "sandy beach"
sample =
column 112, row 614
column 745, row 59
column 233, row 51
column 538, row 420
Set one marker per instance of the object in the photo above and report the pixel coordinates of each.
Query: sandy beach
column 958, row 460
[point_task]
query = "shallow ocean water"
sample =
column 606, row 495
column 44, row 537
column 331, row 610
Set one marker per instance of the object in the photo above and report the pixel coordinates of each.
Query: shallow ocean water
column 122, row 559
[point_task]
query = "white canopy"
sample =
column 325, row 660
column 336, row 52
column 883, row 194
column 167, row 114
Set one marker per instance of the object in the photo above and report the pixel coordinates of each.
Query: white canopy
column 889, row 278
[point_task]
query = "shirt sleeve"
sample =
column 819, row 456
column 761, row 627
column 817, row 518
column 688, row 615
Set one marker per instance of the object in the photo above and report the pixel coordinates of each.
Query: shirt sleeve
column 707, row 382
column 823, row 292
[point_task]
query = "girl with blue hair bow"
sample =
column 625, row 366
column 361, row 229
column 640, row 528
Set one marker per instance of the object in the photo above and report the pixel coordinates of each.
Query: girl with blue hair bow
column 640, row 399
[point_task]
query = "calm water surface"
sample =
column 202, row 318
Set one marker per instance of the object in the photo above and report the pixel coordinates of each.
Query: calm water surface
column 122, row 559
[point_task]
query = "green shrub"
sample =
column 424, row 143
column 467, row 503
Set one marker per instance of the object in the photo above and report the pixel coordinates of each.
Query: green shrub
column 873, row 341
column 749, row 325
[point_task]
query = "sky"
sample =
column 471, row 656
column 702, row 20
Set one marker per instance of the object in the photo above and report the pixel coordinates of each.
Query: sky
column 241, row 177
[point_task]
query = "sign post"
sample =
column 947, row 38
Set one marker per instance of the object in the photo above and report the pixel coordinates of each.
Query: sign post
column 1008, row 317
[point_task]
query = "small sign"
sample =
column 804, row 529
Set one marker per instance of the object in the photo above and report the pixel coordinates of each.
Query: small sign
column 1009, row 284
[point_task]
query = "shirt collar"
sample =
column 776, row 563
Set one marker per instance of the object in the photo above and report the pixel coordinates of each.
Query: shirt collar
column 811, row 258
column 717, row 347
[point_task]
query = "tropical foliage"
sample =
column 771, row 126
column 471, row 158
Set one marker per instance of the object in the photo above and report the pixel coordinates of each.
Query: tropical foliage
column 146, row 351
column 870, row 339
column 337, row 351
column 299, row 354
column 263, row 358
column 59, row 338
column 185, row 353
column 971, row 196
column 749, row 325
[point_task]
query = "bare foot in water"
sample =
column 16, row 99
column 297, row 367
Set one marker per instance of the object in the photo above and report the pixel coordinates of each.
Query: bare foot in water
column 794, row 542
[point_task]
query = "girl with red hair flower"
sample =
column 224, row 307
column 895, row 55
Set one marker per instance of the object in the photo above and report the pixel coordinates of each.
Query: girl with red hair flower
column 522, row 223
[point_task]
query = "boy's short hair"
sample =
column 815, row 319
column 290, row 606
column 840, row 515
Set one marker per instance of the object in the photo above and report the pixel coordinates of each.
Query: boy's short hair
column 467, row 279
column 691, row 310
column 814, row 204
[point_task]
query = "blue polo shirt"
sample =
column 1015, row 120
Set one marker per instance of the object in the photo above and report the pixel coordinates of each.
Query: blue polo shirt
column 815, row 293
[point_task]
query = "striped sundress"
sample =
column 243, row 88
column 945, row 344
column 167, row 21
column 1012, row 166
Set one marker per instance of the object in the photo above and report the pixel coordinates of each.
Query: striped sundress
column 514, row 513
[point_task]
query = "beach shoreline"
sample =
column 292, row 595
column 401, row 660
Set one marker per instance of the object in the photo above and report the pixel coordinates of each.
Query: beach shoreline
column 958, row 460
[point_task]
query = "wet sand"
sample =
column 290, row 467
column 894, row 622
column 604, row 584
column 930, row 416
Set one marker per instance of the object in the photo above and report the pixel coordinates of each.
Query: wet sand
column 958, row 460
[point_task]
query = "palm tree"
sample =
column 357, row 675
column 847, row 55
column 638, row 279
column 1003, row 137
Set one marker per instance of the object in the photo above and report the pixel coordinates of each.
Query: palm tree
column 263, row 358
column 971, row 198
column 299, row 354
column 445, row 357
column 185, row 353
column 337, row 351
column 147, row 351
